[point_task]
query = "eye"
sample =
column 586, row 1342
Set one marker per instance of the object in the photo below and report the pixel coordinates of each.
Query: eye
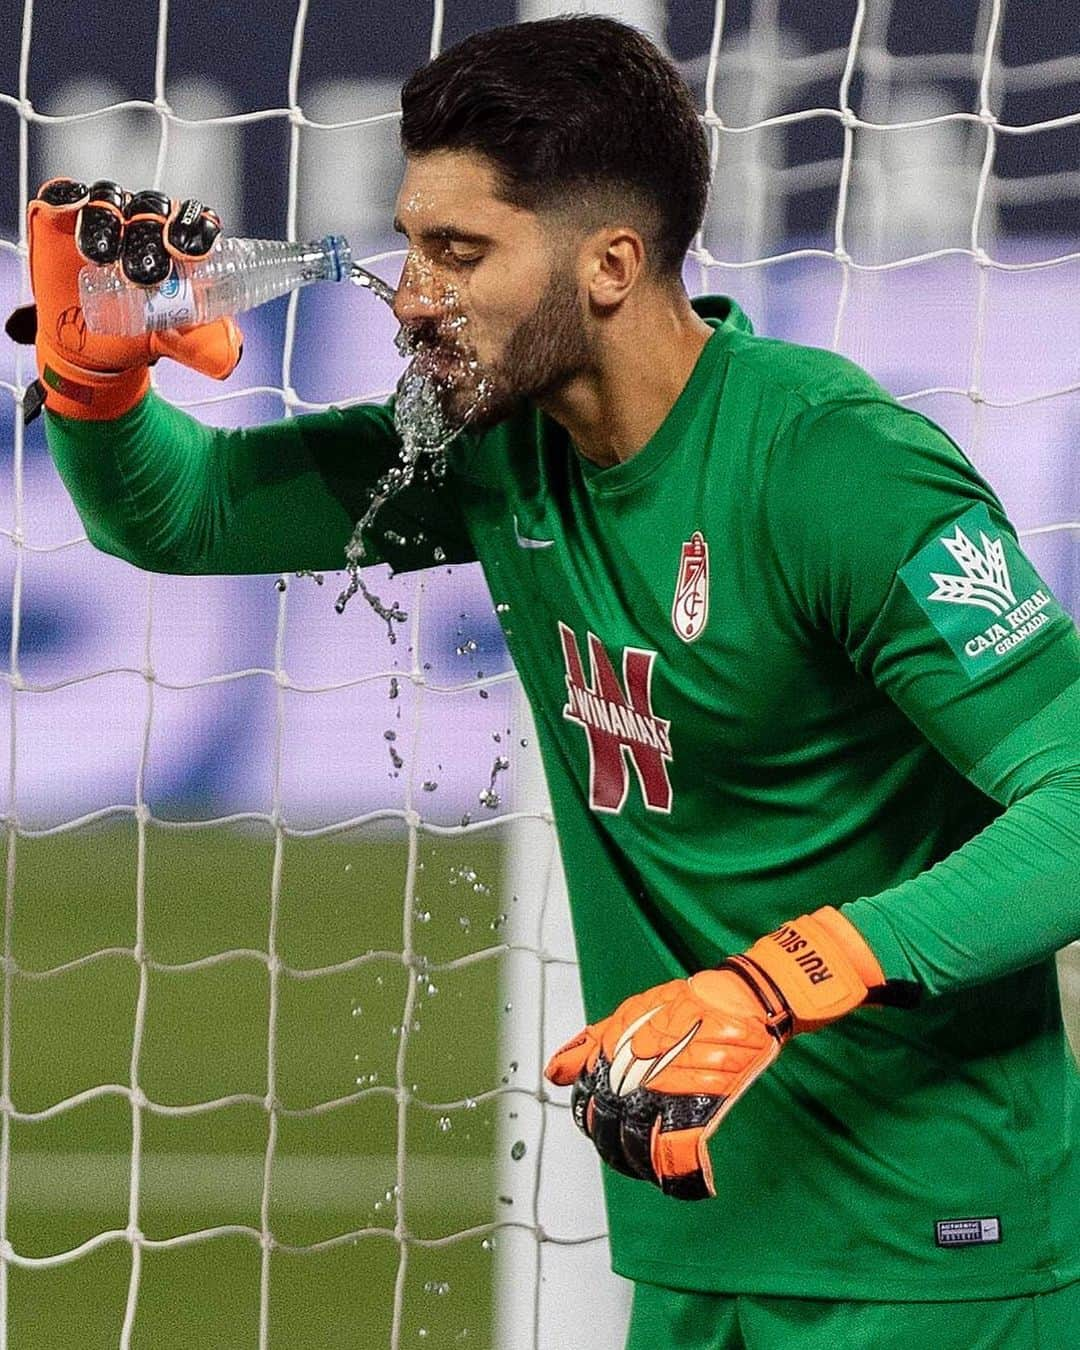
column 461, row 255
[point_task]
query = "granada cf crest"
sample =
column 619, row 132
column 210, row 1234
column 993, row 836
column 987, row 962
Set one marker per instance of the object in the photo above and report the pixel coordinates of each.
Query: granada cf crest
column 690, row 608
column 620, row 725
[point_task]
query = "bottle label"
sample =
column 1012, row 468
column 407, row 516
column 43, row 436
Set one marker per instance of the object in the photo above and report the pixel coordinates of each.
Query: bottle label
column 170, row 305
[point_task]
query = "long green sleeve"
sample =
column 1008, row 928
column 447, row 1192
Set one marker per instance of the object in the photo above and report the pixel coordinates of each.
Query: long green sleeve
column 166, row 493
column 899, row 554
column 1009, row 896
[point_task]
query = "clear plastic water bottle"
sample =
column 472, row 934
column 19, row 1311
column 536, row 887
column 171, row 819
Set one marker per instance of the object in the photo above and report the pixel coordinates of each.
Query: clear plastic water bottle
column 236, row 274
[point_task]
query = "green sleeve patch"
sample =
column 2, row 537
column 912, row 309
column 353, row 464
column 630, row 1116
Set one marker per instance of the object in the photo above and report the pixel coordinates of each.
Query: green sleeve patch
column 980, row 592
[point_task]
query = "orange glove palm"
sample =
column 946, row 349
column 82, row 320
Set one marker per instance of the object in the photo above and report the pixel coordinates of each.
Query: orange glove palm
column 653, row 1081
column 85, row 375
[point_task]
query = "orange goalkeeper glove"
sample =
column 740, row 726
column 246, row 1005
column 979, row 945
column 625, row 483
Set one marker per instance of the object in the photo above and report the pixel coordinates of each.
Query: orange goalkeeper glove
column 654, row 1080
column 85, row 375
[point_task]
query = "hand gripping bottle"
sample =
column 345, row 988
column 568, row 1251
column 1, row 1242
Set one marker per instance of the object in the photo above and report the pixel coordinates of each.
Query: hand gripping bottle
column 237, row 274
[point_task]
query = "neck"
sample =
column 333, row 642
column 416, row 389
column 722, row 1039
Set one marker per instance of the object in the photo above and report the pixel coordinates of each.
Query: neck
column 644, row 356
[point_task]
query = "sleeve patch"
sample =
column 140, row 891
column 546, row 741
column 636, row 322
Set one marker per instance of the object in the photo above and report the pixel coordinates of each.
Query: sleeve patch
column 980, row 592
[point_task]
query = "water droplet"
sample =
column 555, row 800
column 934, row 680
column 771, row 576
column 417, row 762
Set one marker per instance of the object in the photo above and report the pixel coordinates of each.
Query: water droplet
column 517, row 1150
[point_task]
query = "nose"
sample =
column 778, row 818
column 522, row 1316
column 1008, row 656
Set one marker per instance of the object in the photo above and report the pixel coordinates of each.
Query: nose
column 419, row 297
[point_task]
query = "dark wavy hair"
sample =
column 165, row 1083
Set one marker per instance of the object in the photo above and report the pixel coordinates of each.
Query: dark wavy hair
column 578, row 114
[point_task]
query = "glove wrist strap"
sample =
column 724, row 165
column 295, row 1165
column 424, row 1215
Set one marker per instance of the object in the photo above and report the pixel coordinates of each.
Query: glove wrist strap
column 88, row 395
column 819, row 968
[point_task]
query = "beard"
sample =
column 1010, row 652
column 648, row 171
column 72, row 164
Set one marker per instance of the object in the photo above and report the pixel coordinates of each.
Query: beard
column 545, row 351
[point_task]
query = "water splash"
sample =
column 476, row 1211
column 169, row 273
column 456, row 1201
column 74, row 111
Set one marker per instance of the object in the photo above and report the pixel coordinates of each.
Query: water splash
column 424, row 430
column 425, row 434
column 488, row 796
column 360, row 276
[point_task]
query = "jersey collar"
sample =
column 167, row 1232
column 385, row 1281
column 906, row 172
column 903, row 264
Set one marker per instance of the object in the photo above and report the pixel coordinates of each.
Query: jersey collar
column 725, row 318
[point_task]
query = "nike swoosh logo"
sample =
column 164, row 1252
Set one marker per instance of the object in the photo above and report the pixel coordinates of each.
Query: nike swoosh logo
column 524, row 541
column 627, row 1072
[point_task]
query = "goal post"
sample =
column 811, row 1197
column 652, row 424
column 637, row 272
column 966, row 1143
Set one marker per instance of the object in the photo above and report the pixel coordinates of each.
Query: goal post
column 279, row 979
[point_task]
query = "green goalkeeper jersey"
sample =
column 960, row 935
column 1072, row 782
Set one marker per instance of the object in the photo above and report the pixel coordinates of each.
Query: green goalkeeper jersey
column 788, row 655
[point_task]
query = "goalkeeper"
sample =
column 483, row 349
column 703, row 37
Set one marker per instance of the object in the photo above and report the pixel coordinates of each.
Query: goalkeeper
column 809, row 717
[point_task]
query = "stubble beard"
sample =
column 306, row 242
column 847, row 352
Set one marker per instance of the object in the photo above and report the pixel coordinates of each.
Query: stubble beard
column 547, row 349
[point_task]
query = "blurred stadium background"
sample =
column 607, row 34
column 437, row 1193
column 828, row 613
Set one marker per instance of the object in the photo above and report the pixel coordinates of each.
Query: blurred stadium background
column 196, row 768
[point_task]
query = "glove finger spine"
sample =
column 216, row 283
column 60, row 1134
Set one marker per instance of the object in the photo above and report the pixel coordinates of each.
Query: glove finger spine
column 191, row 230
column 62, row 194
column 144, row 257
column 641, row 1113
column 99, row 231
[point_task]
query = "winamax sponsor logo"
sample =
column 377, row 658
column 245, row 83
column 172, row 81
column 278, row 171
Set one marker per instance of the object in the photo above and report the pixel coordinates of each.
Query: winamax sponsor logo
column 619, row 723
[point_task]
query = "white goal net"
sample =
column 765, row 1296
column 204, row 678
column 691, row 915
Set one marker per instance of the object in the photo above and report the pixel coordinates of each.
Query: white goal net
column 285, row 940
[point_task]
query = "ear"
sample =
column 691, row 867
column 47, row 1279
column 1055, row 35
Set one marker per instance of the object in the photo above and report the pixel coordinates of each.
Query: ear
column 616, row 262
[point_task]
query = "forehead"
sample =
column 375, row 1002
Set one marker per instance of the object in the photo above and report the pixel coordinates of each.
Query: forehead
column 455, row 187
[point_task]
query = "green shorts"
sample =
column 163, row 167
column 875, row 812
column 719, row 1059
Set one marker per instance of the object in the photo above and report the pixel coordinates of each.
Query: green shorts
column 672, row 1319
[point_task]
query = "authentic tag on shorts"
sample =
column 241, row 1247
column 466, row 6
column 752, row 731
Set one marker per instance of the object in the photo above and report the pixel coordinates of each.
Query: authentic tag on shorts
column 967, row 1232
column 980, row 592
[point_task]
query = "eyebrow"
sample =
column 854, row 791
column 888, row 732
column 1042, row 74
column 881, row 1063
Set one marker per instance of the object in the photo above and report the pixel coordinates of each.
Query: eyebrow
column 447, row 231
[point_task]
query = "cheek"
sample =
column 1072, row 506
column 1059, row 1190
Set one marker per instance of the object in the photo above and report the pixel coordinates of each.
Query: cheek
column 489, row 318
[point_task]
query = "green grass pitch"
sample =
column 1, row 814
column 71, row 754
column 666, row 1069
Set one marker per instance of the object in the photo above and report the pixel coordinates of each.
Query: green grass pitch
column 206, row 1036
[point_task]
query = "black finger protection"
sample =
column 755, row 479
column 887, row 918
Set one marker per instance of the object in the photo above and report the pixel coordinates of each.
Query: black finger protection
column 605, row 1118
column 62, row 192
column 143, row 256
column 99, row 229
column 193, row 229
column 621, row 1128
